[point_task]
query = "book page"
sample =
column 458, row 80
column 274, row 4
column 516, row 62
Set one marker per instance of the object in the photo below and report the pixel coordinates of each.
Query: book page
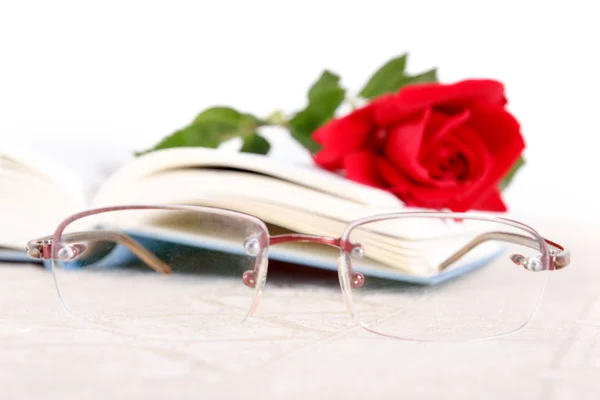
column 413, row 246
column 42, row 183
column 190, row 158
column 78, row 168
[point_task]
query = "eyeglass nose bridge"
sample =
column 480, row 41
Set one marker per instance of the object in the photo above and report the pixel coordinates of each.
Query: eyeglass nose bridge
column 357, row 279
column 300, row 237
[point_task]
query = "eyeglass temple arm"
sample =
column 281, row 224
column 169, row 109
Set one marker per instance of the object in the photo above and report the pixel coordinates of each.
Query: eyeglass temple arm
column 559, row 256
column 41, row 248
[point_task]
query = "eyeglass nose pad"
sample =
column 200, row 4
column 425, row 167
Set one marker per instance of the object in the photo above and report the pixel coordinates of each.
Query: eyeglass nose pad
column 251, row 248
column 529, row 263
column 357, row 279
column 256, row 277
column 71, row 252
column 249, row 278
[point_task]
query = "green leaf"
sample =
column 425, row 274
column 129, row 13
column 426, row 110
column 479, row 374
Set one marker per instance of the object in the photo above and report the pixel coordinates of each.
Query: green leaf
column 324, row 98
column 225, row 114
column 426, row 77
column 511, row 174
column 326, row 88
column 210, row 128
column 255, row 144
column 305, row 140
column 388, row 78
column 203, row 134
column 392, row 76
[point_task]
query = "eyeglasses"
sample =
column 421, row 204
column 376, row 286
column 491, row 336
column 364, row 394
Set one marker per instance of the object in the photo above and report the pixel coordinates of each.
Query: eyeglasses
column 191, row 271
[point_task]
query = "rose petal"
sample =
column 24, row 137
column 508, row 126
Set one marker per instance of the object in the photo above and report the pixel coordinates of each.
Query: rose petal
column 328, row 159
column 498, row 129
column 403, row 145
column 474, row 150
column 388, row 111
column 500, row 133
column 392, row 175
column 495, row 135
column 426, row 197
column 491, row 201
column 361, row 167
column 490, row 132
column 439, row 127
column 414, row 194
column 415, row 97
column 468, row 144
column 464, row 142
column 441, row 124
column 341, row 136
column 449, row 164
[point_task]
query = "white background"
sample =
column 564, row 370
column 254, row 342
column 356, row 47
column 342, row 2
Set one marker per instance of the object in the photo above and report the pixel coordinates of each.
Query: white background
column 114, row 76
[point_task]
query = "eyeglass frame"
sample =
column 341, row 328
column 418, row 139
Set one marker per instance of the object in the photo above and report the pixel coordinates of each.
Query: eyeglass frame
column 553, row 255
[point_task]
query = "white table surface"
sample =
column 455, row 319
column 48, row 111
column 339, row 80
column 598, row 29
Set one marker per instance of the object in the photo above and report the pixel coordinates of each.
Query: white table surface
column 45, row 354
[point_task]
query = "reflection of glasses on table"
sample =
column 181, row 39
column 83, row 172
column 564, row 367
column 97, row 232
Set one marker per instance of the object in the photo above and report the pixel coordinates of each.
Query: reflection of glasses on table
column 101, row 259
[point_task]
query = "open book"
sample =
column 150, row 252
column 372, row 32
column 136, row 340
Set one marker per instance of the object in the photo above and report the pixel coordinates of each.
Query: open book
column 35, row 197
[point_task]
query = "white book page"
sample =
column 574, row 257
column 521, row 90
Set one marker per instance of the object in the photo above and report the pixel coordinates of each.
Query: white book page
column 305, row 175
column 79, row 168
column 42, row 183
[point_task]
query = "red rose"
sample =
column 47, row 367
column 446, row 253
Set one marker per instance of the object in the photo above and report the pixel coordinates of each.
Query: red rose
column 432, row 145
